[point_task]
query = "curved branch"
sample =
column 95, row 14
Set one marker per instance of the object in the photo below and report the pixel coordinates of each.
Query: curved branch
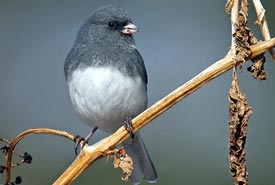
column 27, row 133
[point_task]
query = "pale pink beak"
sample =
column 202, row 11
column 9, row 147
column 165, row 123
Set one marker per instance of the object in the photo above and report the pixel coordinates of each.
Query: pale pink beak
column 129, row 29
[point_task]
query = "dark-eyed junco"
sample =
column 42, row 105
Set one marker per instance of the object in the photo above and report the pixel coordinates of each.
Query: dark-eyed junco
column 107, row 80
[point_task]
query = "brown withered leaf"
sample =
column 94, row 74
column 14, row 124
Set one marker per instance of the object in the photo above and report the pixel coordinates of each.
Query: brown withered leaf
column 239, row 113
column 228, row 7
column 244, row 38
column 124, row 162
column 257, row 67
column 244, row 9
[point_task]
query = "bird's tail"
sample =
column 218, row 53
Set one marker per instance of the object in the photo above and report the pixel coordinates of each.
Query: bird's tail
column 143, row 166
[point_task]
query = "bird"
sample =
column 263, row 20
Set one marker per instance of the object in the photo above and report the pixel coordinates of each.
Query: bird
column 107, row 81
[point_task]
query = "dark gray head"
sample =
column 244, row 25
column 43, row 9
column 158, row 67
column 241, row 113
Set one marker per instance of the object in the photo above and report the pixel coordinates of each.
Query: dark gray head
column 105, row 39
column 108, row 22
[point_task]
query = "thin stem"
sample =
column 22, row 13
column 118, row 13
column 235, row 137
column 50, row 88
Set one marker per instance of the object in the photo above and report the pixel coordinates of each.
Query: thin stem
column 261, row 21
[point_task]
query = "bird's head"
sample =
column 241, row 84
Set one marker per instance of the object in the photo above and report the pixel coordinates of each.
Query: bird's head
column 110, row 22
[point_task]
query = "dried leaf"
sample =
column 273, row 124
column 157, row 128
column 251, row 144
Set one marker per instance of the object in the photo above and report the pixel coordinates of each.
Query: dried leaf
column 239, row 114
column 244, row 38
column 228, row 7
column 257, row 68
column 124, row 162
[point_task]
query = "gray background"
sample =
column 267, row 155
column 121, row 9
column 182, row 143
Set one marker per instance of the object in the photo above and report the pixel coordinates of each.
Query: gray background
column 178, row 39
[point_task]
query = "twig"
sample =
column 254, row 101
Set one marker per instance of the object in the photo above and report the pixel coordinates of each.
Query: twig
column 90, row 153
column 234, row 21
column 27, row 133
column 261, row 21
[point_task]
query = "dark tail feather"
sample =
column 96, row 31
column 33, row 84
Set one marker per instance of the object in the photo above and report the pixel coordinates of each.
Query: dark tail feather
column 143, row 166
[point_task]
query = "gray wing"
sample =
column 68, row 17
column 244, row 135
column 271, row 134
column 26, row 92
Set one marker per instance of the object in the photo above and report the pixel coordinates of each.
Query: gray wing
column 140, row 66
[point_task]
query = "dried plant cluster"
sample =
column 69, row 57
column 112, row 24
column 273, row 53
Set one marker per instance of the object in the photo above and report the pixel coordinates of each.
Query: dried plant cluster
column 123, row 161
column 244, row 47
column 239, row 113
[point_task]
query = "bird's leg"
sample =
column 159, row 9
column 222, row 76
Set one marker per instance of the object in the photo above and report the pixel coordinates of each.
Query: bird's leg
column 78, row 139
column 88, row 137
column 129, row 127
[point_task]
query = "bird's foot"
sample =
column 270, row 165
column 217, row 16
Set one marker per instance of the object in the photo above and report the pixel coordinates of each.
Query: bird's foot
column 129, row 127
column 78, row 139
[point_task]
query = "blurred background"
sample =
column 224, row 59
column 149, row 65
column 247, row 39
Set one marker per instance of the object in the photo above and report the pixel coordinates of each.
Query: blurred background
column 177, row 39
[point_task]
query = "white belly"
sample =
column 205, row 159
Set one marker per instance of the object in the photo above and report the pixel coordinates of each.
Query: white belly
column 104, row 97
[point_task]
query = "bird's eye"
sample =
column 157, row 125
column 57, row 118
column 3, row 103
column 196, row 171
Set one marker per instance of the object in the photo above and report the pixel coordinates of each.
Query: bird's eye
column 112, row 24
